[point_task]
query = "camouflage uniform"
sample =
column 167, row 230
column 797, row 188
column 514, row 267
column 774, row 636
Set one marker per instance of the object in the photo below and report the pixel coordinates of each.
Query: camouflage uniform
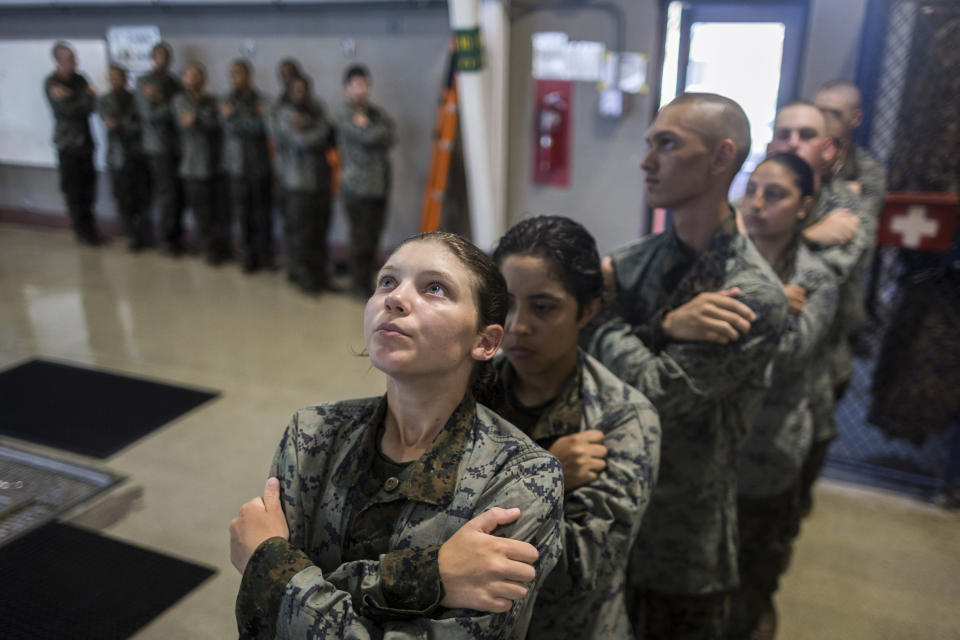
column 364, row 185
column 200, row 147
column 161, row 143
column 860, row 167
column 246, row 161
column 779, row 443
column 583, row 597
column 71, row 135
column 305, row 176
column 307, row 588
column 129, row 172
column 707, row 396
column 831, row 373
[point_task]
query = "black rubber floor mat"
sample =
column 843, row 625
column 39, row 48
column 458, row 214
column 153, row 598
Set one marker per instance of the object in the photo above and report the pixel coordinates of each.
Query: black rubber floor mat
column 64, row 582
column 86, row 411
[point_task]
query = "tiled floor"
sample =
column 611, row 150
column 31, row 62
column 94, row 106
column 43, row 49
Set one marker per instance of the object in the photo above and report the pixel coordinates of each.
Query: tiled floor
column 868, row 566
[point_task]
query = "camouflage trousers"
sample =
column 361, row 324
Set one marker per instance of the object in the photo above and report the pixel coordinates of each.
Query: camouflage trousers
column 366, row 216
column 78, row 182
column 661, row 616
column 767, row 526
column 306, row 224
column 131, row 190
column 212, row 217
column 168, row 192
column 252, row 206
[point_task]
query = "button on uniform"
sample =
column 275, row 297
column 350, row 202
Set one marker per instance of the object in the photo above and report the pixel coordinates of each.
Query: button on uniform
column 391, row 484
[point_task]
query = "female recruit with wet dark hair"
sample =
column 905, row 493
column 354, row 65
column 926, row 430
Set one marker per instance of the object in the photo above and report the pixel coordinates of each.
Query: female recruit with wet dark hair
column 378, row 519
column 605, row 433
column 777, row 201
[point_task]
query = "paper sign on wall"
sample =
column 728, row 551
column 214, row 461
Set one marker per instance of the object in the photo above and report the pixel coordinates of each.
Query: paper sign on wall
column 556, row 57
column 131, row 47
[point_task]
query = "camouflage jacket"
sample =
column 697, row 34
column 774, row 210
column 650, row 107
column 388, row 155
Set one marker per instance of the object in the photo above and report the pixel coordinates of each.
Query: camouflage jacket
column 364, row 161
column 283, row 100
column 849, row 262
column 302, row 153
column 200, row 143
column 707, row 396
column 123, row 141
column 245, row 153
column 778, row 443
column 160, row 135
column 860, row 167
column 583, row 597
column 71, row 130
column 302, row 588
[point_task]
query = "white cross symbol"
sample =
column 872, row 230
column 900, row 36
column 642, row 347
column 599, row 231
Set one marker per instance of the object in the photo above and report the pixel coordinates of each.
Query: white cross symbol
column 914, row 226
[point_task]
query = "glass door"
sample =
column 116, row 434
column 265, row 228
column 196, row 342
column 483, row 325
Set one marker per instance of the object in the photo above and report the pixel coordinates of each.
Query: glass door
column 749, row 52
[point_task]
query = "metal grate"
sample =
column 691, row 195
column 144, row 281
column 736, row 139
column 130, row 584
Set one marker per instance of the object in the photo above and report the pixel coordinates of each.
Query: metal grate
column 35, row 489
column 915, row 297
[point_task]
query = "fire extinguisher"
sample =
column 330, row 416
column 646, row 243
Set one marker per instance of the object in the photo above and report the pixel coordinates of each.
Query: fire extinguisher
column 552, row 111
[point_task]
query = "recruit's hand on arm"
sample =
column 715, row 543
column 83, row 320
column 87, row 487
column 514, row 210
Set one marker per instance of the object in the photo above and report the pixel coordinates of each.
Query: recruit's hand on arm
column 187, row 118
column 60, row 92
column 710, row 317
column 582, row 457
column 152, row 92
column 484, row 572
column 837, row 227
column 609, row 279
column 259, row 520
column 796, row 298
column 299, row 122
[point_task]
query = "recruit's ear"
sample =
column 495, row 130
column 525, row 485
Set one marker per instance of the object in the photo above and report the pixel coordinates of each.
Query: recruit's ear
column 724, row 156
column 488, row 342
column 588, row 312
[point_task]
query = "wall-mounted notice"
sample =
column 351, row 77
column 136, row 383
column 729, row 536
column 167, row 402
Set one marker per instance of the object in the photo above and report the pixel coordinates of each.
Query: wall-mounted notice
column 556, row 57
column 131, row 46
column 633, row 72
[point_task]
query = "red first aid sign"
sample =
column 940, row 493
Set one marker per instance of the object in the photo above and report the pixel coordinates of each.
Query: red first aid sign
column 926, row 221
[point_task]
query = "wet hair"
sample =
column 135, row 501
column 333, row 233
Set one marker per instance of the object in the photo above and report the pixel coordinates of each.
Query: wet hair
column 727, row 120
column 802, row 173
column 355, row 71
column 567, row 247
column 489, row 296
column 60, row 45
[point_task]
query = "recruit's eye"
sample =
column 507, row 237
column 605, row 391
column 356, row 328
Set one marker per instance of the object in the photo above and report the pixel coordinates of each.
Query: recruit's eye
column 386, row 282
column 436, row 289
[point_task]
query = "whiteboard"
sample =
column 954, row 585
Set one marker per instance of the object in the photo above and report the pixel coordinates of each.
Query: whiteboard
column 26, row 122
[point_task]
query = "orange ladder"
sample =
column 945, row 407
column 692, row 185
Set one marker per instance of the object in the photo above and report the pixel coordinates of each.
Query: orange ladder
column 444, row 134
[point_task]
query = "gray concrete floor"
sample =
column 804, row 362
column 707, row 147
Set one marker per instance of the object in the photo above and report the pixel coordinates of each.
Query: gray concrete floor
column 868, row 565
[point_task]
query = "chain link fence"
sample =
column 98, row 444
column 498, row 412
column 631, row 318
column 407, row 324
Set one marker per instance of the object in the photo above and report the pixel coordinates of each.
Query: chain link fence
column 899, row 420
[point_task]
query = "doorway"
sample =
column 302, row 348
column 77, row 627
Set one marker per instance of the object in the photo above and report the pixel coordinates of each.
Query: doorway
column 747, row 51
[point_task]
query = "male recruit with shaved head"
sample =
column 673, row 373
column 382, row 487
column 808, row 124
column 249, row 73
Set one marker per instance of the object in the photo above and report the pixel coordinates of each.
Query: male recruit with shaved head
column 72, row 101
column 843, row 236
column 696, row 317
column 841, row 102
